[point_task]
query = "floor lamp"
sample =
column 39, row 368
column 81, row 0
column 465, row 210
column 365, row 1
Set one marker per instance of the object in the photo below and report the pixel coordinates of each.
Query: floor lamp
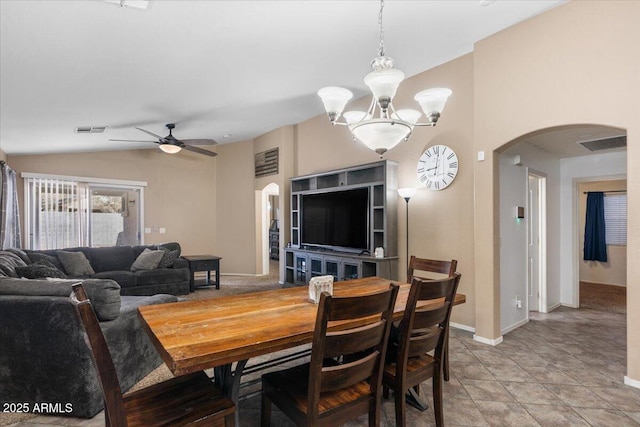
column 407, row 194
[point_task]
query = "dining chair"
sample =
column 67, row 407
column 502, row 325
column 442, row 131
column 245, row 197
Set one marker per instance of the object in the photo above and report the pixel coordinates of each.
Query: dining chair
column 181, row 401
column 423, row 328
column 343, row 379
column 425, row 265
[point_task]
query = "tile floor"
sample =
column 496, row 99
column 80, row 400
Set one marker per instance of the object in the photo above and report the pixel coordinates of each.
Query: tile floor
column 564, row 368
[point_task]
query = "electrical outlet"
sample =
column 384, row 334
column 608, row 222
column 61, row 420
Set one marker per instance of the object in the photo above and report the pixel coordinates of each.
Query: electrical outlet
column 518, row 302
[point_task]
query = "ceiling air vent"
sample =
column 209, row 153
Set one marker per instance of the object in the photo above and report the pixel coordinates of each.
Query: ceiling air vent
column 90, row 129
column 267, row 163
column 605, row 143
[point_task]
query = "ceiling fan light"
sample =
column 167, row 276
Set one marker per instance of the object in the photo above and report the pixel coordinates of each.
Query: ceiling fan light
column 170, row 148
column 432, row 101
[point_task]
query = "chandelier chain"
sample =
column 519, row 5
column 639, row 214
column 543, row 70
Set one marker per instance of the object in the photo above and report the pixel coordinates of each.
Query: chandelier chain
column 381, row 49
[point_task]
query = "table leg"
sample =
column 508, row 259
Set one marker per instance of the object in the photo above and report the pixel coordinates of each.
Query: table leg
column 228, row 381
column 218, row 275
column 208, row 282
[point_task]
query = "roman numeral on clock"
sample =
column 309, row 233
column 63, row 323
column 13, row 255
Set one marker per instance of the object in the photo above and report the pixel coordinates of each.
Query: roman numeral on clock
column 453, row 165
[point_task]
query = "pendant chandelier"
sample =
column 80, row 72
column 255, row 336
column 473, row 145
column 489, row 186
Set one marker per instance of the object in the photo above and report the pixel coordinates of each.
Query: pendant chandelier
column 391, row 126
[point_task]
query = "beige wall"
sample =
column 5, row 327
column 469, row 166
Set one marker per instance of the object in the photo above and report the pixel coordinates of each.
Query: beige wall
column 440, row 222
column 180, row 195
column 614, row 271
column 577, row 63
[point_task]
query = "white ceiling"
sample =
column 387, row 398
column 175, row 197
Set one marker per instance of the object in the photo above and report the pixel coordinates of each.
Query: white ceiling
column 213, row 67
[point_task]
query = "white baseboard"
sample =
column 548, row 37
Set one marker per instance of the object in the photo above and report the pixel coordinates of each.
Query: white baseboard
column 488, row 341
column 461, row 326
column 633, row 383
column 514, row 326
column 553, row 307
column 569, row 305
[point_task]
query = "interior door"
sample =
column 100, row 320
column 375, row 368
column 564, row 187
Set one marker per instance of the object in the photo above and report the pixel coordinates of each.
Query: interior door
column 533, row 240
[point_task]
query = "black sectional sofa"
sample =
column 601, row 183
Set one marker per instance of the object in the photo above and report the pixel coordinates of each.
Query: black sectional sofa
column 115, row 263
column 43, row 356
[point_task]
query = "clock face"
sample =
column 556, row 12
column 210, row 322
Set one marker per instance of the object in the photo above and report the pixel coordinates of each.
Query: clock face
column 437, row 167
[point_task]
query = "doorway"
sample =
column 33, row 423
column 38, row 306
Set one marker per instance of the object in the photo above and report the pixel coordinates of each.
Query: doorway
column 536, row 242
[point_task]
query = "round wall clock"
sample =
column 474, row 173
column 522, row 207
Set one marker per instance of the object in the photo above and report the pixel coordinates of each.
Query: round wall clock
column 437, row 167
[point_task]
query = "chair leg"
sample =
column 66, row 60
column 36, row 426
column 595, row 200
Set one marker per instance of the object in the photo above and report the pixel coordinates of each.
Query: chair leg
column 446, row 356
column 437, row 398
column 374, row 415
column 265, row 411
column 401, row 406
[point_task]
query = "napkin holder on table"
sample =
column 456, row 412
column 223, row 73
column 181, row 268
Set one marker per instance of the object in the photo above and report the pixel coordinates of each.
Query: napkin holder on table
column 318, row 285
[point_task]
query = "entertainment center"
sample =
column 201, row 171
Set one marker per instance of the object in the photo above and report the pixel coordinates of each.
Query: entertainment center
column 338, row 219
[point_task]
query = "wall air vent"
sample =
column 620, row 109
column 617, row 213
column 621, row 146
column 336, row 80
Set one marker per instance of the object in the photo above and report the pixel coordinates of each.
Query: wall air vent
column 90, row 129
column 267, row 163
column 607, row 143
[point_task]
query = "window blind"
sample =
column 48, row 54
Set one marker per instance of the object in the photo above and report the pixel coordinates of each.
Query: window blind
column 615, row 219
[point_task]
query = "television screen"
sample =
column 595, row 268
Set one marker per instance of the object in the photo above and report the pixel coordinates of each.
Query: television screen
column 336, row 219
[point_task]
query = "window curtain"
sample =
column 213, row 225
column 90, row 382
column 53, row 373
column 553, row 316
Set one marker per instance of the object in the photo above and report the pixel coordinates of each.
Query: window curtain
column 595, row 244
column 9, row 215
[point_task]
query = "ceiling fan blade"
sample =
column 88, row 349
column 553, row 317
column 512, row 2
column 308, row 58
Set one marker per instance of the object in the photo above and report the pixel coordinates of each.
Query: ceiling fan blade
column 199, row 150
column 151, row 133
column 199, row 141
column 134, row 140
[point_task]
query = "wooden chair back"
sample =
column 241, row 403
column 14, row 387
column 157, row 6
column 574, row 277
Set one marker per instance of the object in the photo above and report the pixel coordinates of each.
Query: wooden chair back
column 430, row 265
column 424, row 329
column 115, row 414
column 346, row 356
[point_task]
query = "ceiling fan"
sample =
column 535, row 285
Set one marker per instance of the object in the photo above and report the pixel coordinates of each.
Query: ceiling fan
column 170, row 144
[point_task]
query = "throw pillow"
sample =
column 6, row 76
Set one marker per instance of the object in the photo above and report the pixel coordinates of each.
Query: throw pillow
column 169, row 257
column 40, row 270
column 75, row 263
column 37, row 256
column 147, row 260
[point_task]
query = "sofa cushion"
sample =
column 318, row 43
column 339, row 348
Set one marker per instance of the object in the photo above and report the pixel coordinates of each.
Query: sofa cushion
column 104, row 294
column 22, row 254
column 8, row 263
column 147, row 260
column 161, row 276
column 169, row 257
column 112, row 258
column 126, row 279
column 75, row 263
column 39, row 270
column 39, row 256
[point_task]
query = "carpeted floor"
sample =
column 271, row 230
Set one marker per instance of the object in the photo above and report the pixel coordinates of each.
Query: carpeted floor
column 610, row 298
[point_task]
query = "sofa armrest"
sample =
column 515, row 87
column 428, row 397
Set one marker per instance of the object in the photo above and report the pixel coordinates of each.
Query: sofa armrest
column 104, row 294
column 180, row 263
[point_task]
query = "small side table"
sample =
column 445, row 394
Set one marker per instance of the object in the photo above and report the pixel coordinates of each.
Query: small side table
column 206, row 263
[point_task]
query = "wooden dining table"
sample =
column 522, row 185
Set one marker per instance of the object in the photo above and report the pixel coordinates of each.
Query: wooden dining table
column 214, row 333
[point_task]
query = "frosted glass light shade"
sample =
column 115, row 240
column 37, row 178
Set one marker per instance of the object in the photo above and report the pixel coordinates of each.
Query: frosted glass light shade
column 384, row 83
column 334, row 99
column 432, row 101
column 380, row 135
column 408, row 115
column 170, row 149
column 407, row 193
column 356, row 116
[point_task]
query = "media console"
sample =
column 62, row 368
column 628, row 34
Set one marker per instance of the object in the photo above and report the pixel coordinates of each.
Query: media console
column 337, row 235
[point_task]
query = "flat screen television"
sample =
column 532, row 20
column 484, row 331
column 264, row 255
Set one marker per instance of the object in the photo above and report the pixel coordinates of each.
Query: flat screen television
column 337, row 220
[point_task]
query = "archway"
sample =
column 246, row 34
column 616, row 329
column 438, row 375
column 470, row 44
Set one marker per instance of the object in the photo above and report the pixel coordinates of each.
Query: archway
column 267, row 217
column 560, row 156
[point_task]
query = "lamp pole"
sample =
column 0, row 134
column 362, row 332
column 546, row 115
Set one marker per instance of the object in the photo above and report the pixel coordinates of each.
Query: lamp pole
column 407, row 194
